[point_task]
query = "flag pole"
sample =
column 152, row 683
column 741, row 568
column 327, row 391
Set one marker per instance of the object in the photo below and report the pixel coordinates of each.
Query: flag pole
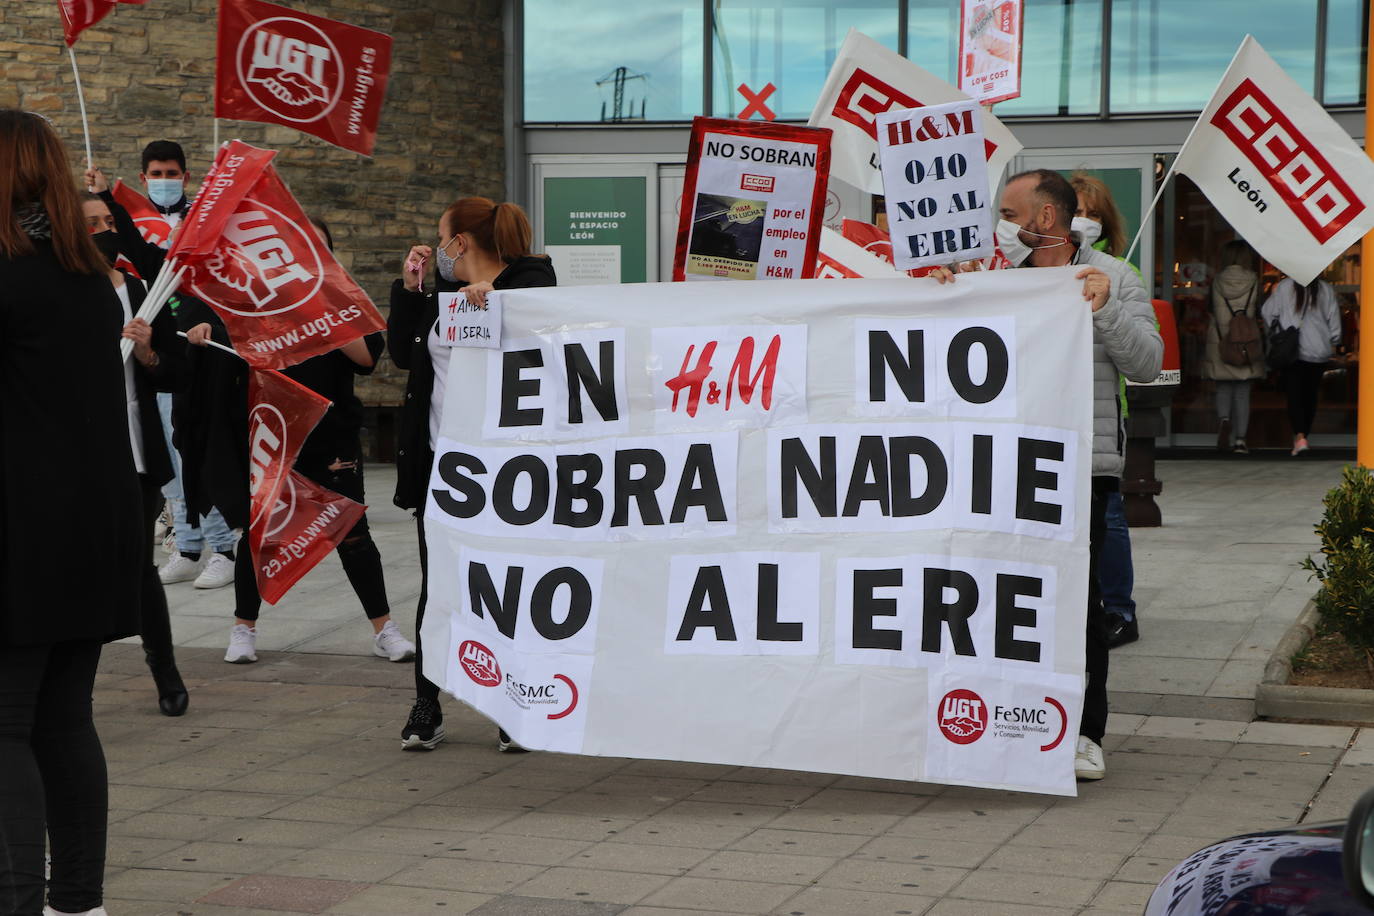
column 81, row 100
column 1364, row 416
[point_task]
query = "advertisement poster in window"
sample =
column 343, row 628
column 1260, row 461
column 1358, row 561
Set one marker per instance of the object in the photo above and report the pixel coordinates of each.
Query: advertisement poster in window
column 595, row 229
column 990, row 36
column 753, row 201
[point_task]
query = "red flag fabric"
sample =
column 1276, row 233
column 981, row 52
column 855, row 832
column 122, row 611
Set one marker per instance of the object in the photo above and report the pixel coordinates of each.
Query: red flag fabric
column 281, row 66
column 874, row 240
column 79, row 15
column 254, row 257
column 151, row 224
column 281, row 413
column 306, row 523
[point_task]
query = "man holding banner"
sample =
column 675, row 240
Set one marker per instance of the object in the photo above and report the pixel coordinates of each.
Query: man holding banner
column 1037, row 210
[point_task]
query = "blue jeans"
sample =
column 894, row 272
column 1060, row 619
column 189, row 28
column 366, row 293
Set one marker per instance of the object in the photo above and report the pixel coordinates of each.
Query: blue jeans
column 1116, row 574
column 213, row 529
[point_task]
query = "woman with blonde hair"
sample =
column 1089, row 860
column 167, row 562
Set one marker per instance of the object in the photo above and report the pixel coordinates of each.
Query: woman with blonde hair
column 65, row 454
column 483, row 246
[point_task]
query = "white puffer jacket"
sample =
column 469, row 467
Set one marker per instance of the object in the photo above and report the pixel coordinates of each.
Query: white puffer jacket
column 1126, row 342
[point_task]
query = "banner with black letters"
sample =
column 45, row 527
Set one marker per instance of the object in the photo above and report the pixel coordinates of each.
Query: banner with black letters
column 837, row 527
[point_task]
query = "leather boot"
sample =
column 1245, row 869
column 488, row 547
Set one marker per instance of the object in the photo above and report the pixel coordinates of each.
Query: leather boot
column 172, row 698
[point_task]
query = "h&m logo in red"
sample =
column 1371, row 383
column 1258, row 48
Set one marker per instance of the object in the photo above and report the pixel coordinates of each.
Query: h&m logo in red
column 1310, row 186
column 697, row 380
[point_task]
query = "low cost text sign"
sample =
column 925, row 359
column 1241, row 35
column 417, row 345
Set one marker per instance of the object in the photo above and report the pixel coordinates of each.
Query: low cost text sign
column 838, row 527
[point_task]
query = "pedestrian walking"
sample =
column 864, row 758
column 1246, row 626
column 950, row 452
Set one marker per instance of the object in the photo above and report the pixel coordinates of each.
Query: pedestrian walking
column 65, row 455
column 1312, row 309
column 1233, row 369
column 483, row 246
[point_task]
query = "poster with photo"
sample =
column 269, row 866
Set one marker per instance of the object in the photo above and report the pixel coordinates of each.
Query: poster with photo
column 754, row 201
column 990, row 40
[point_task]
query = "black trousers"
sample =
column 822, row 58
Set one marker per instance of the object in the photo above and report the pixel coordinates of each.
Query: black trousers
column 1301, row 383
column 1094, row 722
column 358, row 553
column 156, row 627
column 52, row 778
column 424, row 687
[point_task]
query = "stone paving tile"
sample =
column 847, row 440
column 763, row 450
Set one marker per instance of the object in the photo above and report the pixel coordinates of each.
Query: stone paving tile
column 234, row 858
column 1145, row 869
column 452, row 817
column 226, row 804
column 1206, row 729
column 564, row 826
column 802, row 842
column 407, row 841
column 592, row 884
column 342, row 865
column 926, row 851
column 128, row 851
column 893, row 877
column 1288, row 753
column 161, row 884
column 1019, row 888
column 1072, row 863
column 834, row 901
column 672, row 911
column 535, row 906
column 1304, row 735
column 676, row 832
column 300, row 834
column 169, row 826
column 1054, row 837
column 763, row 866
column 274, row 893
column 1124, row 895
column 465, row 875
column 731, row 896
column 338, row 810
column 974, row 830
column 408, row 901
column 640, row 857
column 698, row 812
column 981, row 908
column 527, row 850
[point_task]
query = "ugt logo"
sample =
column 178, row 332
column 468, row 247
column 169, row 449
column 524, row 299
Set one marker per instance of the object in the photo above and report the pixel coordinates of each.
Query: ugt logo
column 963, row 716
column 742, row 380
column 290, row 68
column 262, row 257
column 479, row 664
column 266, row 447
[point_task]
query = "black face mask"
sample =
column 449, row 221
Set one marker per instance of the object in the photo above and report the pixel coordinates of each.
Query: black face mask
column 108, row 244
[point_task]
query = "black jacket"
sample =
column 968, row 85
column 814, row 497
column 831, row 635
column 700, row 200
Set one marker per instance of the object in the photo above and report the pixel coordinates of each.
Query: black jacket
column 412, row 317
column 168, row 375
column 64, row 455
column 146, row 257
column 331, row 375
column 210, row 425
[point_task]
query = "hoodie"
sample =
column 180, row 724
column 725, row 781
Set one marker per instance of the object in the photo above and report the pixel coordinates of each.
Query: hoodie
column 1235, row 289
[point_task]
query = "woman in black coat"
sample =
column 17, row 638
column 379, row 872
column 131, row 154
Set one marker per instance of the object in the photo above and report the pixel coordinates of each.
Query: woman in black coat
column 157, row 364
column 65, row 457
column 483, row 246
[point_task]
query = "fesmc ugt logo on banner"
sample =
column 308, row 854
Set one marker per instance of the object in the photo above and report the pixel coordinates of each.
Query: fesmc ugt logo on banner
column 479, row 663
column 290, row 68
column 265, row 264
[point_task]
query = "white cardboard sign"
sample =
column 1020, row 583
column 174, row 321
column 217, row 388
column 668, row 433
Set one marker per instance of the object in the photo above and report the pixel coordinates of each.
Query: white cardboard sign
column 463, row 324
column 935, row 180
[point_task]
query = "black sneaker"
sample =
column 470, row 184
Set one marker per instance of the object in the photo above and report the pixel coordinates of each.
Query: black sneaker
column 425, row 727
column 506, row 744
column 1121, row 631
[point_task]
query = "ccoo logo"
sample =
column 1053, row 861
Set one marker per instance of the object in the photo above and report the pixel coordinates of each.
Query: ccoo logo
column 963, row 716
column 479, row 663
column 266, row 446
column 265, row 264
column 290, row 68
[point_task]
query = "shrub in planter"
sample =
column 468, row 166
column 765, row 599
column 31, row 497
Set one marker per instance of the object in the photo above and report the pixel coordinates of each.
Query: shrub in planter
column 1346, row 572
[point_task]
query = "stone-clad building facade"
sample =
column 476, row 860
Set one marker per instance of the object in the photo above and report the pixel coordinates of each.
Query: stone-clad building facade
column 148, row 73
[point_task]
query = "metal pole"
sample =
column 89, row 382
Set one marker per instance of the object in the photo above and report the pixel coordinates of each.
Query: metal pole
column 1364, row 422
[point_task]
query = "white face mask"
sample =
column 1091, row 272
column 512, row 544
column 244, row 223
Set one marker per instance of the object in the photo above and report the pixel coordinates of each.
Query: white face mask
column 1016, row 251
column 166, row 192
column 1090, row 230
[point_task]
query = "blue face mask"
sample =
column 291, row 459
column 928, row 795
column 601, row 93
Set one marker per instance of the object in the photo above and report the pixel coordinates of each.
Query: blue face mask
column 166, row 192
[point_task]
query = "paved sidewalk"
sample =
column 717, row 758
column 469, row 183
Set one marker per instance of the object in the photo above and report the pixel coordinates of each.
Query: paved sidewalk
column 284, row 790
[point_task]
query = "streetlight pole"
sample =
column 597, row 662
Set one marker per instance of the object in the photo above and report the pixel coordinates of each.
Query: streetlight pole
column 1365, row 416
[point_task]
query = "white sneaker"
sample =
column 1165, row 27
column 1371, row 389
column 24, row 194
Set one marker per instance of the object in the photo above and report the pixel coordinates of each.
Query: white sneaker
column 218, row 572
column 390, row 644
column 1088, row 763
column 243, row 645
column 179, row 568
column 98, row 911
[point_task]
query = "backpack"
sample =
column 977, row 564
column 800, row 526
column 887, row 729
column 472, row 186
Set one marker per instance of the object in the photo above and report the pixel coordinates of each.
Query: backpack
column 1241, row 345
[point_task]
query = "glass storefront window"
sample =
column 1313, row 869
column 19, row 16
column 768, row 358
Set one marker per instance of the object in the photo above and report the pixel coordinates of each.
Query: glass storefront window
column 932, row 36
column 1345, row 35
column 1167, row 55
column 571, row 47
column 789, row 43
column 1061, row 62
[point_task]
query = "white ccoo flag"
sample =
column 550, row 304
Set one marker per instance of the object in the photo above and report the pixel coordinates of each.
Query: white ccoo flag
column 1279, row 168
column 868, row 79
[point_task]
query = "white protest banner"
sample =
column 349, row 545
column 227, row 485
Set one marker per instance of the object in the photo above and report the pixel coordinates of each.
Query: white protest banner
column 934, row 184
column 462, row 324
column 1279, row 168
column 865, row 551
column 839, row 258
column 990, row 39
column 753, row 201
column 868, row 79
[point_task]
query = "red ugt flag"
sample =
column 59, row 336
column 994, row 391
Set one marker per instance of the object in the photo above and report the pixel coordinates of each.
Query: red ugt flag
column 281, row 413
column 80, row 15
column 280, row 66
column 306, row 523
column 151, row 224
column 254, row 257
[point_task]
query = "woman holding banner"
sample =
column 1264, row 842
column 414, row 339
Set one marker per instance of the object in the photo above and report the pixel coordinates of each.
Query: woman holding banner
column 483, row 246
column 158, row 364
column 64, row 454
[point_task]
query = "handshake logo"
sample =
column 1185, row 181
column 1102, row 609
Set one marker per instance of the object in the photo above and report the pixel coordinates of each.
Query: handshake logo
column 291, row 68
